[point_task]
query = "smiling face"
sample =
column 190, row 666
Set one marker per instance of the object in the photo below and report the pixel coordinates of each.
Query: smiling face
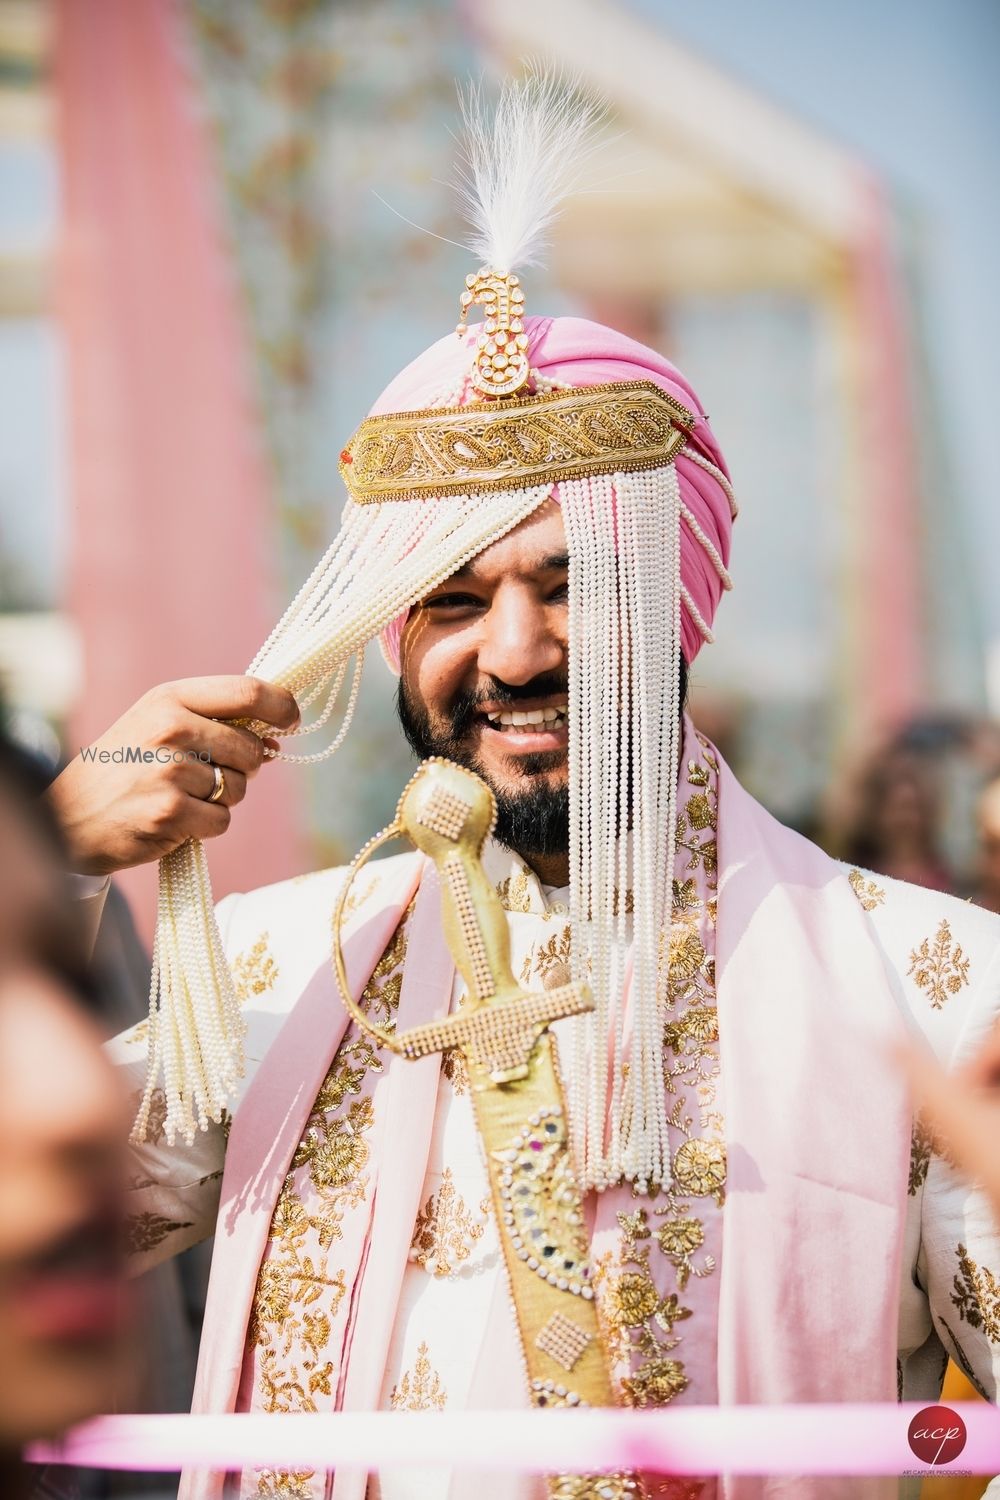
column 484, row 682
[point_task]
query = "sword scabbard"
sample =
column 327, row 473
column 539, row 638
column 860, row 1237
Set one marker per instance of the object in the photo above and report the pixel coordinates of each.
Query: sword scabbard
column 448, row 812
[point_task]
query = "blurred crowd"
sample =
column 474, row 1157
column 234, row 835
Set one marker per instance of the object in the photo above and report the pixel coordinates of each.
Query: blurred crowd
column 923, row 806
column 919, row 803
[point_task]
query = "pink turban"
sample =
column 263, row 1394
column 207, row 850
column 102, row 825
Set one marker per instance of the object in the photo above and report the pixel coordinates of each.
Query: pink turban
column 582, row 353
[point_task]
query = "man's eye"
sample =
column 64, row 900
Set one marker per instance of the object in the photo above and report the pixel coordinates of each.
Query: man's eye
column 452, row 601
column 562, row 592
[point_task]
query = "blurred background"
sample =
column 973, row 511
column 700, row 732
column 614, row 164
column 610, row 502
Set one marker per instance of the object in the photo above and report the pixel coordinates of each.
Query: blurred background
column 202, row 291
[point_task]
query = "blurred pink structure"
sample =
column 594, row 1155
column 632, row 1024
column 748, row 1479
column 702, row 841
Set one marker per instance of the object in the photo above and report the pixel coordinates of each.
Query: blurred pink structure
column 892, row 681
column 713, row 191
column 170, row 570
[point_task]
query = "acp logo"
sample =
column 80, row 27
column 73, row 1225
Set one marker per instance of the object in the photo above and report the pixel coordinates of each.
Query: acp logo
column 937, row 1435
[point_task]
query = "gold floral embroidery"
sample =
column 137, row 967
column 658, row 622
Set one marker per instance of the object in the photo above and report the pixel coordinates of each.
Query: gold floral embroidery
column 921, row 1146
column 295, row 1280
column 655, row 1383
column 446, row 1230
column 685, row 898
column 381, row 997
column 420, row 1390
column 454, row 1069
column 977, row 1295
column 704, row 854
column 700, row 813
column 255, row 971
column 337, row 1159
column 640, row 1321
column 298, row 1290
column 698, row 1026
column 358, row 896
column 679, row 1239
column 515, row 892
column 145, row 1231
column 348, row 1074
column 685, row 955
column 138, row 1033
column 939, row 966
column 868, row 893
column 963, row 1362
column 285, row 1484
column 551, row 961
column 631, row 1300
column 691, row 1033
column 700, row 1168
column 645, row 1323
column 333, row 1146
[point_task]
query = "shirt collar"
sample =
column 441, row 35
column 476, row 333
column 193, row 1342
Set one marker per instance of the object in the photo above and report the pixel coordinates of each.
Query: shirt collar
column 517, row 885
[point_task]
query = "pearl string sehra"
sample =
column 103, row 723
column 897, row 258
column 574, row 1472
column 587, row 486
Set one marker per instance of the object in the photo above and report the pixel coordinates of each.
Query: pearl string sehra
column 625, row 603
column 385, row 558
column 625, row 599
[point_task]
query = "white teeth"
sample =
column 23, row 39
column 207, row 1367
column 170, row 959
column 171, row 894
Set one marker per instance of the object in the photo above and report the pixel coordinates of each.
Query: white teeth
column 527, row 719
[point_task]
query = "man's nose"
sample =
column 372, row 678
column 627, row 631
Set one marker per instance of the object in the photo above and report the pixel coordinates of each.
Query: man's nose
column 521, row 639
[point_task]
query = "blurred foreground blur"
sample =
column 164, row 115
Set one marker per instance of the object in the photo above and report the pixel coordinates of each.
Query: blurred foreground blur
column 63, row 1304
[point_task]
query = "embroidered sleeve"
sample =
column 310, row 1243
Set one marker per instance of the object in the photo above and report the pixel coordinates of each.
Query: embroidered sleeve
column 959, row 1260
column 173, row 1191
column 959, row 1267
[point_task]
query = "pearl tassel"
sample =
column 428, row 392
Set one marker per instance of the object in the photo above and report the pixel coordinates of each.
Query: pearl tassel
column 709, row 548
column 383, row 560
column 717, row 475
column 625, row 598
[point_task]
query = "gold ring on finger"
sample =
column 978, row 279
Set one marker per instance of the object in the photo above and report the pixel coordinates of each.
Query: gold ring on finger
column 219, row 787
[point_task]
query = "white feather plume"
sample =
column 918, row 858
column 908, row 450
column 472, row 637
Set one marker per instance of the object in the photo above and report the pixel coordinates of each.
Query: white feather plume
column 522, row 156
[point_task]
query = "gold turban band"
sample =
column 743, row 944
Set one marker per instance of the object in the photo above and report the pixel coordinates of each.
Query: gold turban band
column 503, row 445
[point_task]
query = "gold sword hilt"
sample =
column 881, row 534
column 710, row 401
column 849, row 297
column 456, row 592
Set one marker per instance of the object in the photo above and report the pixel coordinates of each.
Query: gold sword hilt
column 448, row 813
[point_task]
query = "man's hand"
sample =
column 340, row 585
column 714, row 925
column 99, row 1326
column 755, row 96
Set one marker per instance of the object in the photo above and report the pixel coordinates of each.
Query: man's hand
column 130, row 811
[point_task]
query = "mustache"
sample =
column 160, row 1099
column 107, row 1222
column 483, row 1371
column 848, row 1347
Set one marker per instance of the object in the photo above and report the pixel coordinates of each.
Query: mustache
column 467, row 704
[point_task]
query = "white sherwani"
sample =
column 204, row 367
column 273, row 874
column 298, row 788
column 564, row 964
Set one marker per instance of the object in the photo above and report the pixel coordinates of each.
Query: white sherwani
column 942, row 958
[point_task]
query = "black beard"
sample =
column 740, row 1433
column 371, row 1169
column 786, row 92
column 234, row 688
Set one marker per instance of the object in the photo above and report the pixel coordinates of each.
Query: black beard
column 533, row 822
